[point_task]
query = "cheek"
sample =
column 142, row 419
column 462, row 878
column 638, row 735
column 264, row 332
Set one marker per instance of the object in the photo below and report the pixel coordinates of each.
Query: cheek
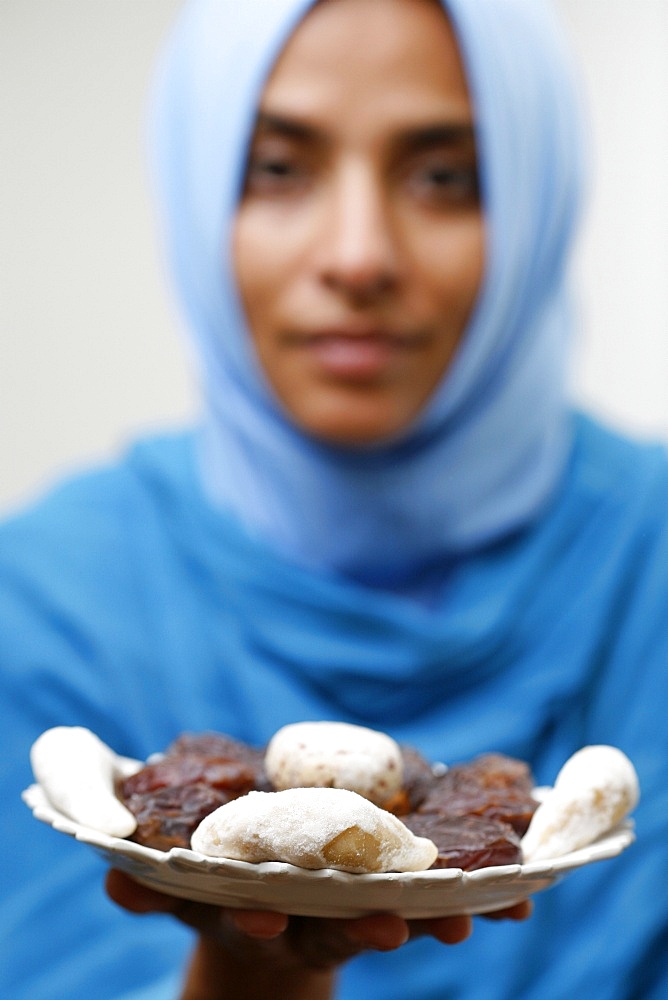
column 455, row 265
column 265, row 259
column 254, row 262
column 245, row 247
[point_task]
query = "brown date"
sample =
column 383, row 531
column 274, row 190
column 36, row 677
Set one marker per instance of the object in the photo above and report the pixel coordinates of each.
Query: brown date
column 467, row 842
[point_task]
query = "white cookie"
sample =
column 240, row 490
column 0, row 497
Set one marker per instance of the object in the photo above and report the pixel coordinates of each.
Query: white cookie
column 335, row 755
column 313, row 828
column 76, row 771
column 594, row 790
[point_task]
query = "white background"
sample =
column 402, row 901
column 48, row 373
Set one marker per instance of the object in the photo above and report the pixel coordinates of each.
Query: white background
column 90, row 350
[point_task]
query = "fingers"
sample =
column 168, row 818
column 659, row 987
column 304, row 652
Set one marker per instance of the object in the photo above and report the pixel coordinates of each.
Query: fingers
column 208, row 920
column 381, row 932
column 454, row 930
column 449, row 930
column 137, row 898
column 520, row 911
column 321, row 943
column 260, row 924
column 385, row 932
column 315, row 943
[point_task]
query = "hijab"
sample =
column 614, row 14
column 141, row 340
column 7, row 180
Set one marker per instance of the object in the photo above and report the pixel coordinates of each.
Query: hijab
column 484, row 456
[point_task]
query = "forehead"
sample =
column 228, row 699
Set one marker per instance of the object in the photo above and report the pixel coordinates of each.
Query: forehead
column 347, row 56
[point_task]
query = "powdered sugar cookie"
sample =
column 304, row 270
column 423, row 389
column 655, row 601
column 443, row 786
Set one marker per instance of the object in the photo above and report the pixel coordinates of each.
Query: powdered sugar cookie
column 313, row 828
column 335, row 755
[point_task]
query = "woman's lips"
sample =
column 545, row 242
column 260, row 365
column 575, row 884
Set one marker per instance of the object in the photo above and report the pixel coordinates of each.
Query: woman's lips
column 362, row 356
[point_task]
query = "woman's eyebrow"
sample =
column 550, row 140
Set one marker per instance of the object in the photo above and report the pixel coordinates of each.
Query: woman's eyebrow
column 270, row 123
column 460, row 135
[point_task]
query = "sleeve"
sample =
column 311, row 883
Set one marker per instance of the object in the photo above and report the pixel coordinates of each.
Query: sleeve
column 62, row 937
column 616, row 911
column 630, row 710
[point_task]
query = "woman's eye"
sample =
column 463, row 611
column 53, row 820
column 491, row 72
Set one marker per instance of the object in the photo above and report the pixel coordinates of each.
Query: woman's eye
column 274, row 174
column 447, row 184
column 274, row 168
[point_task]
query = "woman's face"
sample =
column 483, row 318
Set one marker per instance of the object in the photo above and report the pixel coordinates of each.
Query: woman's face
column 358, row 244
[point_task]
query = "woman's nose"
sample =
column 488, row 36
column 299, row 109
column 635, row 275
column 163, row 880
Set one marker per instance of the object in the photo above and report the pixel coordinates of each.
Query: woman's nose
column 358, row 253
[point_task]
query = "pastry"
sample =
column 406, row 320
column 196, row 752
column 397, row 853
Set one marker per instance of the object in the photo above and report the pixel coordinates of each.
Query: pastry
column 313, row 828
column 593, row 791
column 335, row 755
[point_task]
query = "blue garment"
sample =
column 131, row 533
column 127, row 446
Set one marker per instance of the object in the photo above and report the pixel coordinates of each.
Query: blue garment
column 130, row 606
column 467, row 471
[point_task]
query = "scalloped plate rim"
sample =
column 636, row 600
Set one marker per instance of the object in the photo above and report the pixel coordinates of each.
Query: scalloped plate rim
column 328, row 892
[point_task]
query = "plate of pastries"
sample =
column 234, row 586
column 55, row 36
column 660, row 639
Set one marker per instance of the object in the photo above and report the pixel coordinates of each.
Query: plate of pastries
column 333, row 819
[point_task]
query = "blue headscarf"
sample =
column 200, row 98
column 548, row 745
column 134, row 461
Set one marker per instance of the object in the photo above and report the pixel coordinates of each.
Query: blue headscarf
column 484, row 456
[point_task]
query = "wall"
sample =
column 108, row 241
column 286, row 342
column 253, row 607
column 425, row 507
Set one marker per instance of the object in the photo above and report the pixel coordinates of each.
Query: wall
column 622, row 359
column 90, row 349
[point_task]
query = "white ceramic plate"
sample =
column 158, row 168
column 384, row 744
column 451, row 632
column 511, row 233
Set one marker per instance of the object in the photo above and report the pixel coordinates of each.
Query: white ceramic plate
column 275, row 885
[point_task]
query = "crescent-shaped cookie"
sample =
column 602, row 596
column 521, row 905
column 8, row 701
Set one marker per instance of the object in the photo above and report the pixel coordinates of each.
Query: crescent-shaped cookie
column 313, row 828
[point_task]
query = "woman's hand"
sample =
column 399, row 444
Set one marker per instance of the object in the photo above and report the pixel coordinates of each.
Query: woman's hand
column 253, row 953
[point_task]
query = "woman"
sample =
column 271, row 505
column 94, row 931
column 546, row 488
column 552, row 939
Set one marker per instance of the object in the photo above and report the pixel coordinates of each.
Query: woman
column 388, row 515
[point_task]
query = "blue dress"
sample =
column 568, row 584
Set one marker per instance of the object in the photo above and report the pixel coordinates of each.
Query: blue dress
column 130, row 606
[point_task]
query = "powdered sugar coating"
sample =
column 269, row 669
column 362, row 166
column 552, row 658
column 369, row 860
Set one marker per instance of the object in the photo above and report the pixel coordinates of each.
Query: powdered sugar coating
column 77, row 771
column 313, row 828
column 335, row 755
column 595, row 789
